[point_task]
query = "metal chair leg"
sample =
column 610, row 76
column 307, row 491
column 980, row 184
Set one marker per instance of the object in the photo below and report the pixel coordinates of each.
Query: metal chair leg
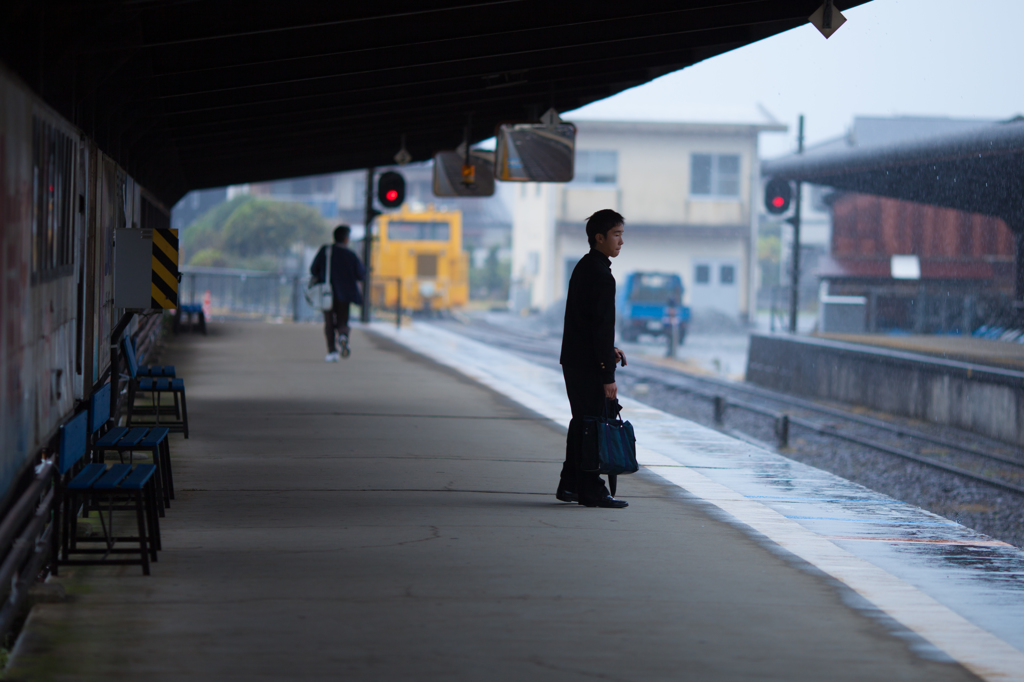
column 169, row 481
column 143, row 549
column 152, row 495
column 184, row 413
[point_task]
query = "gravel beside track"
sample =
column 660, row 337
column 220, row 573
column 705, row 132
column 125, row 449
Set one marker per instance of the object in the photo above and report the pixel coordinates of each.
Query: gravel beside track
column 996, row 512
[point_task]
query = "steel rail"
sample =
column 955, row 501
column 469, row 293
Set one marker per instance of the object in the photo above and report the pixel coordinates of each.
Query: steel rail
column 875, row 445
column 844, row 414
column 660, row 376
column 906, row 454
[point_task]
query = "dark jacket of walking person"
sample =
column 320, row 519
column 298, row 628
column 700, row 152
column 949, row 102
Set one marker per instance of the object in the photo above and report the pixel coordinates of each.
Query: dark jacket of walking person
column 589, row 355
column 347, row 273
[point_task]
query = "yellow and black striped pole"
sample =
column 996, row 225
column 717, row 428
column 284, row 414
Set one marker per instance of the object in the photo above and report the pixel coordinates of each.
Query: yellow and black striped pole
column 165, row 268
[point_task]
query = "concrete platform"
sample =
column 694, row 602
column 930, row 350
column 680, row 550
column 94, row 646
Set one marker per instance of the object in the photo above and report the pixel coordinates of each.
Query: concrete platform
column 387, row 518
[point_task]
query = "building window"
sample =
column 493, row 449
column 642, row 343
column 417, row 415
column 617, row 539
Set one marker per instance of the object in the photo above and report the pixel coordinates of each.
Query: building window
column 402, row 230
column 53, row 157
column 715, row 175
column 702, row 274
column 533, row 262
column 596, row 167
column 726, row 274
column 324, row 184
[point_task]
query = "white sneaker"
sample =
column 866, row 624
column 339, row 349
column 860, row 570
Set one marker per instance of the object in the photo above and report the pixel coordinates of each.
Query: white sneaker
column 331, row 357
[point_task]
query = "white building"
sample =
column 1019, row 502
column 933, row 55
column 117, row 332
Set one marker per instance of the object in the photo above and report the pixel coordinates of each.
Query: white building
column 686, row 190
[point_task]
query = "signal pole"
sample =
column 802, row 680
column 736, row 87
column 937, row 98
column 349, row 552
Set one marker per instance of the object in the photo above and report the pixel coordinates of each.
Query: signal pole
column 794, row 275
column 368, row 216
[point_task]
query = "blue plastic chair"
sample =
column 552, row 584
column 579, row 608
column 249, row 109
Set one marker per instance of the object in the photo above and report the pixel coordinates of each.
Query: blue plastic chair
column 123, row 440
column 90, row 487
column 158, row 386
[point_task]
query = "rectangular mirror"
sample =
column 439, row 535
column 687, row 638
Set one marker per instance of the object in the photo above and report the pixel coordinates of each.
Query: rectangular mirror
column 453, row 178
column 535, row 152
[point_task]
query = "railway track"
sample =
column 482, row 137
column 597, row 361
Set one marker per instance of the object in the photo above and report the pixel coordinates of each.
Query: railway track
column 963, row 454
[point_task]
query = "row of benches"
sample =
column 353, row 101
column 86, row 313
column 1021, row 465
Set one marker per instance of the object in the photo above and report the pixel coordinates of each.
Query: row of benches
column 86, row 484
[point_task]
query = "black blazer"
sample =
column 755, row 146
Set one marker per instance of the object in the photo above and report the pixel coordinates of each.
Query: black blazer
column 346, row 271
column 588, row 338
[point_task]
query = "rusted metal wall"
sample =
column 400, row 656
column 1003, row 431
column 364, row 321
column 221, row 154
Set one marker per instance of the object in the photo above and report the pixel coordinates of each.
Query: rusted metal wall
column 17, row 429
column 61, row 199
column 866, row 225
column 42, row 251
column 110, row 211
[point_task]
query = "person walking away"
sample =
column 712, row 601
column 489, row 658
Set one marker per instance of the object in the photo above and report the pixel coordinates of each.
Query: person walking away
column 347, row 272
column 589, row 355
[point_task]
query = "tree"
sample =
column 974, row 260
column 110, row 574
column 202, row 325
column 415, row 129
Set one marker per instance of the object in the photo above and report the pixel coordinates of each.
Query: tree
column 492, row 280
column 205, row 232
column 212, row 258
column 262, row 227
column 769, row 255
column 251, row 232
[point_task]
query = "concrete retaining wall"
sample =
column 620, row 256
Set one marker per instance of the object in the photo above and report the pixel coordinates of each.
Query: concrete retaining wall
column 986, row 400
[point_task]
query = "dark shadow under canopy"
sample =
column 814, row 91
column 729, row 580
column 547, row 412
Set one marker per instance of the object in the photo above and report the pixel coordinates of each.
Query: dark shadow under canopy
column 204, row 93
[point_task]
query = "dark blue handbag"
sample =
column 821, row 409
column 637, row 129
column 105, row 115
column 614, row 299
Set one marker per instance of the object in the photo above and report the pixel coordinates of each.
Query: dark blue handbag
column 609, row 446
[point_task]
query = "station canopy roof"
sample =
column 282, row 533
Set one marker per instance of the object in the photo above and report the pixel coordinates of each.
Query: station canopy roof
column 980, row 170
column 204, row 93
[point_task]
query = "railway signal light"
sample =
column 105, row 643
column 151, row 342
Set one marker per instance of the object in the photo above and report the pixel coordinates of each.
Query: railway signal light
column 777, row 195
column 391, row 189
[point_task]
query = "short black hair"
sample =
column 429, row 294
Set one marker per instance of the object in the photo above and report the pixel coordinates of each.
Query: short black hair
column 341, row 233
column 601, row 222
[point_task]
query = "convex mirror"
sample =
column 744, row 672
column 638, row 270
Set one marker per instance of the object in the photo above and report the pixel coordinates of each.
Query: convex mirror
column 453, row 177
column 536, row 152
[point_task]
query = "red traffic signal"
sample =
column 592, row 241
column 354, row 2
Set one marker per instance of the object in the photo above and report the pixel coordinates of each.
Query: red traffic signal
column 391, row 189
column 777, row 195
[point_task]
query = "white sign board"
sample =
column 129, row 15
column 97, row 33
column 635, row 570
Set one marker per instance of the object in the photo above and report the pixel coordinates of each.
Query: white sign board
column 905, row 267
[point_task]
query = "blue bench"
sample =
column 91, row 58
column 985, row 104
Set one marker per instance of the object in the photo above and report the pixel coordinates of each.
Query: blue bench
column 157, row 371
column 121, row 487
column 124, row 440
column 157, row 386
column 190, row 311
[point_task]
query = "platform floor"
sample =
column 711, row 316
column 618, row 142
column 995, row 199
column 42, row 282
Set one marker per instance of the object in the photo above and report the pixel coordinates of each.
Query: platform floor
column 960, row 348
column 386, row 518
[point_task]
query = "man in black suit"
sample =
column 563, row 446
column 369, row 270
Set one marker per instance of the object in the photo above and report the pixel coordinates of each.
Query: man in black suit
column 346, row 273
column 589, row 355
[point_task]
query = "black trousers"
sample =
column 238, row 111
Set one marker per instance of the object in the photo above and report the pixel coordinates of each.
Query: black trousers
column 336, row 322
column 586, row 399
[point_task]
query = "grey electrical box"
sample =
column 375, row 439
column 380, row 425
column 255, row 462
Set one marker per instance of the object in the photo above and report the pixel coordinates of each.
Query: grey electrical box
column 133, row 269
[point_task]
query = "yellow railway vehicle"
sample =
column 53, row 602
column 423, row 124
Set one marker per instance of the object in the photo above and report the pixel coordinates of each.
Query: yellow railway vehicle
column 423, row 251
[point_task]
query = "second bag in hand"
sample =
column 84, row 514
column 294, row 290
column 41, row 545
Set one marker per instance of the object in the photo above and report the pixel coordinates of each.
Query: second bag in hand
column 609, row 446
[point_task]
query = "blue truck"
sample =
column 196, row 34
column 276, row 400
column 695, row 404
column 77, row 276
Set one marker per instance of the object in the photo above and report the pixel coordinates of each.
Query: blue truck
column 645, row 303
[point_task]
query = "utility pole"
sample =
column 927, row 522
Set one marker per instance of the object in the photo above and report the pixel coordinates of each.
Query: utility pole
column 794, row 275
column 368, row 216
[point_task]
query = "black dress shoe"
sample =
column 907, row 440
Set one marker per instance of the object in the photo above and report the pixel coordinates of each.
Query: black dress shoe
column 566, row 495
column 607, row 502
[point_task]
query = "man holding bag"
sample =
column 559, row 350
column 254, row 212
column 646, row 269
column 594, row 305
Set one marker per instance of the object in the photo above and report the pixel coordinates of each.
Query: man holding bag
column 589, row 355
column 346, row 271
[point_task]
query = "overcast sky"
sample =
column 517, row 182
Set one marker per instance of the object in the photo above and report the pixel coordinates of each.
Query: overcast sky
column 955, row 58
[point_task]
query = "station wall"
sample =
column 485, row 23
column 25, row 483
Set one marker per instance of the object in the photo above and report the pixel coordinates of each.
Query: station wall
column 985, row 400
column 60, row 200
